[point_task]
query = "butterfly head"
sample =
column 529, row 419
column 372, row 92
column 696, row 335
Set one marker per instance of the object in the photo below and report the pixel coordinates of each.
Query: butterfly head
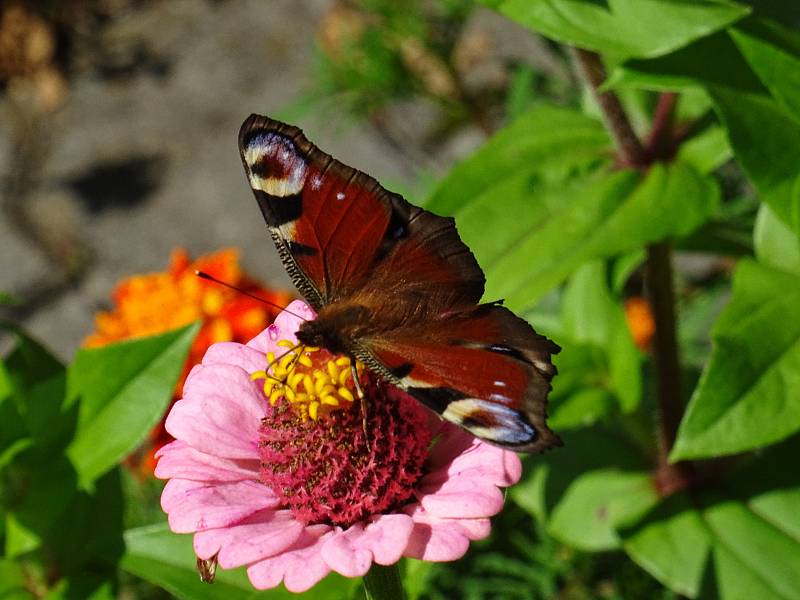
column 335, row 327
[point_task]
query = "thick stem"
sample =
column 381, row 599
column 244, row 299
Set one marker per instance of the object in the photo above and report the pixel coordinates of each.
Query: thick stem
column 383, row 583
column 630, row 149
column 665, row 346
column 632, row 153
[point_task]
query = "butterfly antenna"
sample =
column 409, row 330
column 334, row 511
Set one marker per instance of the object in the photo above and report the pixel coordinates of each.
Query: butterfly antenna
column 204, row 275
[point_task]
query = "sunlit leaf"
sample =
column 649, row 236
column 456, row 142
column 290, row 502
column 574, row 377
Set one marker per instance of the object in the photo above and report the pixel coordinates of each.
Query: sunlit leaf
column 123, row 389
column 747, row 396
column 623, row 28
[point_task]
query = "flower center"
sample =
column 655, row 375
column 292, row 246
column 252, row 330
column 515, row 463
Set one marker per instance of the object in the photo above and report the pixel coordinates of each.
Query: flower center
column 312, row 380
column 316, row 454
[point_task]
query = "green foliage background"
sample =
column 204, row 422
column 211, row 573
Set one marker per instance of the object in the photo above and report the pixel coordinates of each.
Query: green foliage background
column 712, row 513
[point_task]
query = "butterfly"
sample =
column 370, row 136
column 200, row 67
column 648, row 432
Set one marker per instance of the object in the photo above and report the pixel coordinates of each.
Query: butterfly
column 394, row 286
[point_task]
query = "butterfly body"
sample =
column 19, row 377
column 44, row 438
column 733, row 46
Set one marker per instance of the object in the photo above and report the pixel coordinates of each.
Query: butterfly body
column 395, row 287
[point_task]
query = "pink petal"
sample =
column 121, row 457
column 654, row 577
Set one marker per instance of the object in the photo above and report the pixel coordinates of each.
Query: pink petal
column 284, row 327
column 259, row 536
column 300, row 566
column 220, row 413
column 451, row 443
column 484, row 463
column 351, row 552
column 196, row 505
column 440, row 540
column 238, row 355
column 461, row 498
column 178, row 459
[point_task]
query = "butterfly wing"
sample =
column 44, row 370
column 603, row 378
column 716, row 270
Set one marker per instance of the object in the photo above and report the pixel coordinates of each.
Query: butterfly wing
column 485, row 370
column 332, row 224
column 346, row 241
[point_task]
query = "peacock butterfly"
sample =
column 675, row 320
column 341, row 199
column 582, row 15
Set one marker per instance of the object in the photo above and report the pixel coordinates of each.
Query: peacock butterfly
column 396, row 288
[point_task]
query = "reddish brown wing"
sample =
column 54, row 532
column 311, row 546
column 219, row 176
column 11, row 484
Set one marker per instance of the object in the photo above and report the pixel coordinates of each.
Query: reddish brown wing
column 332, row 224
column 486, row 370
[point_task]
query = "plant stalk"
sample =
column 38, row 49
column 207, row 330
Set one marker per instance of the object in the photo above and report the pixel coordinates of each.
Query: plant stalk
column 383, row 583
column 658, row 270
column 591, row 70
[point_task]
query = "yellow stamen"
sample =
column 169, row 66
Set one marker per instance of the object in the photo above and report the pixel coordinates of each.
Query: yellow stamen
column 346, row 394
column 305, row 361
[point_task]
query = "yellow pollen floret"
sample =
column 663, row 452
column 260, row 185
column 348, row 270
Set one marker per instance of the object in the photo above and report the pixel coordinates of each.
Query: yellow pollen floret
column 312, row 388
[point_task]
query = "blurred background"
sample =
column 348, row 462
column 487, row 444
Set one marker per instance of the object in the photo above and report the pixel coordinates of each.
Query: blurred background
column 119, row 119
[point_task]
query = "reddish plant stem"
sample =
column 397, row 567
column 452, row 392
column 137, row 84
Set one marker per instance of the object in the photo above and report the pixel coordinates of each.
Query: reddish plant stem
column 660, row 142
column 658, row 270
column 630, row 150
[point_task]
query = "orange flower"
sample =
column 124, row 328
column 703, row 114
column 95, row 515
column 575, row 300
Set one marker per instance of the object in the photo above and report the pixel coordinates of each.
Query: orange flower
column 158, row 302
column 640, row 321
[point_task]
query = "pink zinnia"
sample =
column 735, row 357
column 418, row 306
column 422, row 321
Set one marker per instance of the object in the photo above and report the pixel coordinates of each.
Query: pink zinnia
column 274, row 472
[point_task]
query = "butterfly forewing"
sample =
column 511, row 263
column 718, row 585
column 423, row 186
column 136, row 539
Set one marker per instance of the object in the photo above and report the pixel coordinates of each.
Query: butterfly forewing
column 354, row 248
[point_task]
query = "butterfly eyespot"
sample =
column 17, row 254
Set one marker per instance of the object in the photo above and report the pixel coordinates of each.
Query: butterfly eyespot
column 340, row 196
column 275, row 166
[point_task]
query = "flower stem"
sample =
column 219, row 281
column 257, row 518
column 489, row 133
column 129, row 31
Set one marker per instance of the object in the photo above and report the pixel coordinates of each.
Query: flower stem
column 383, row 583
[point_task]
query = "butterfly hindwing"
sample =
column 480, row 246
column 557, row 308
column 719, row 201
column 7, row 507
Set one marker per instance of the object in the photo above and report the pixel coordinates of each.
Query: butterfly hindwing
column 485, row 370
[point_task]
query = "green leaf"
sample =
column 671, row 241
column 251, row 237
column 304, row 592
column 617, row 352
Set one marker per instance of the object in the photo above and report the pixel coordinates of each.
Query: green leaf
column 777, row 245
column 747, row 396
column 707, row 151
column 545, row 143
column 735, row 537
column 547, row 478
column 39, row 494
column 13, row 580
column 773, row 52
column 580, row 409
column 598, row 503
column 36, row 382
column 711, row 61
column 161, row 557
column 766, row 141
column 123, row 389
column 623, row 28
column 593, row 217
column 84, row 586
column 672, row 544
column 591, row 315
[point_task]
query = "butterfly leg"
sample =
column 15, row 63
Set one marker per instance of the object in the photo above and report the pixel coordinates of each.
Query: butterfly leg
column 362, row 399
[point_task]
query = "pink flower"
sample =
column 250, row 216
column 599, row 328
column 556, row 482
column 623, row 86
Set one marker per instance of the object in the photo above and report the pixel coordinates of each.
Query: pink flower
column 275, row 472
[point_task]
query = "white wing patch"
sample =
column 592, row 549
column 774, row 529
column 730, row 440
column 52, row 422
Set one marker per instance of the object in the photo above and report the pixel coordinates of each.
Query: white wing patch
column 509, row 426
column 274, row 165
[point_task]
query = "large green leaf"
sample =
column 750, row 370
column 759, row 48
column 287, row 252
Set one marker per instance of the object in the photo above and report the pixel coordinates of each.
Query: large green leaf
column 711, row 61
column 672, row 544
column 766, row 140
column 123, row 390
column 577, row 471
column 747, row 396
column 623, row 28
column 598, row 503
column 161, row 557
column 773, row 52
column 546, row 143
column 776, row 244
column 592, row 217
column 738, row 537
